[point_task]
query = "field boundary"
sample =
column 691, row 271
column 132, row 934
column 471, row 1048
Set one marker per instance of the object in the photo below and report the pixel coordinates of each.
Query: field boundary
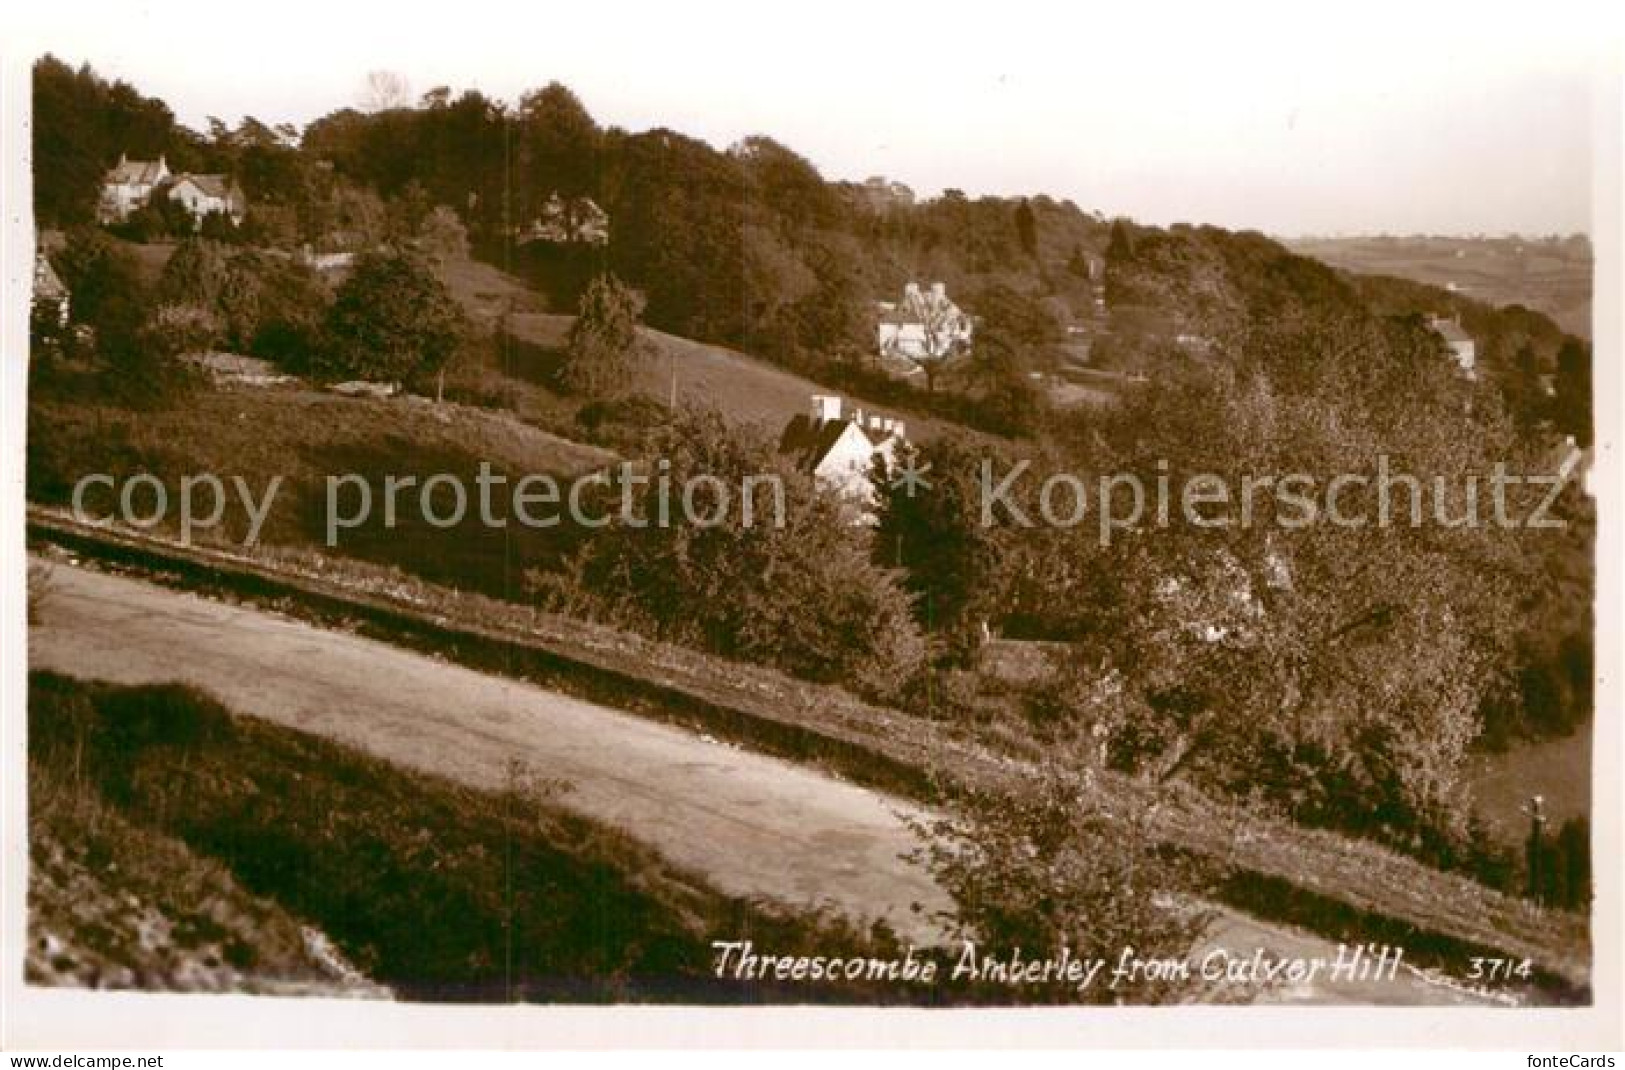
column 1370, row 888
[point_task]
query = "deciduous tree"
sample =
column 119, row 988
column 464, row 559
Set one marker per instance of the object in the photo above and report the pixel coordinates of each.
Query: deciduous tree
column 392, row 320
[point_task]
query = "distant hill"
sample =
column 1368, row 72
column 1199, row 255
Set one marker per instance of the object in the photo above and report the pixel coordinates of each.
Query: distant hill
column 1549, row 275
column 1191, row 288
column 1202, row 281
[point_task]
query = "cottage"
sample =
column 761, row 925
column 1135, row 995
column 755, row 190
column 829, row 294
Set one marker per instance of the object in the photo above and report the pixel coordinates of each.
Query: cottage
column 924, row 326
column 1458, row 342
column 129, row 186
column 206, row 195
column 839, row 449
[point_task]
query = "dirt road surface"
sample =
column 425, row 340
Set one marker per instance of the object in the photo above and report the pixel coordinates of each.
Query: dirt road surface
column 753, row 825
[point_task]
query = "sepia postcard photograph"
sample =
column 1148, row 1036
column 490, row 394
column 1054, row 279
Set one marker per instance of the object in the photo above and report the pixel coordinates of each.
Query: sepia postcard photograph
column 537, row 525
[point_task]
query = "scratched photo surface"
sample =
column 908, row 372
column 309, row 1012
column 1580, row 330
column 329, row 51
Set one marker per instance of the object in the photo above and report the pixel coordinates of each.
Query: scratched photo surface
column 918, row 511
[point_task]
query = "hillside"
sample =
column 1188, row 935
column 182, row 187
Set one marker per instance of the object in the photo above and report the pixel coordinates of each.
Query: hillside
column 1340, row 680
column 303, row 437
column 745, row 246
column 116, row 905
column 743, row 388
column 1339, row 886
column 1205, row 290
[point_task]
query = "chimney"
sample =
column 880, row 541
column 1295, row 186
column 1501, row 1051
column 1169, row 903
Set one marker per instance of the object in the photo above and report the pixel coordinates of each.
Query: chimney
column 122, row 160
column 877, row 423
column 857, row 417
column 911, row 292
column 897, row 429
column 825, row 407
column 939, row 291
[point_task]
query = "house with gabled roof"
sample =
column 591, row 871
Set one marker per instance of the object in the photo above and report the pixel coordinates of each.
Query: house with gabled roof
column 568, row 221
column 129, row 185
column 924, row 326
column 839, row 449
column 205, row 195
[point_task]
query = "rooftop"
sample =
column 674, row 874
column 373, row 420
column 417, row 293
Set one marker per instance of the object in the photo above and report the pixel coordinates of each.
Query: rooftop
column 1449, row 330
column 138, row 172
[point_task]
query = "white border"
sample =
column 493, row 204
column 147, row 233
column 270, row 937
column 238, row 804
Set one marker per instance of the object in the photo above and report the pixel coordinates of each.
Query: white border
column 33, row 1017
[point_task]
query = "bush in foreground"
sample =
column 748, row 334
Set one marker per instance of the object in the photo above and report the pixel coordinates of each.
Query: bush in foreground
column 1044, row 867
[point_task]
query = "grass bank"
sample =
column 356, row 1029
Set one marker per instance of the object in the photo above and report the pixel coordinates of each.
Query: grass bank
column 115, row 904
column 437, row 891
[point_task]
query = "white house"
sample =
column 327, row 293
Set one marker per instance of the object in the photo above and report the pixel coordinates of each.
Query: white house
column 840, row 448
column 128, row 186
column 1458, row 341
column 204, row 195
column 924, row 325
column 131, row 184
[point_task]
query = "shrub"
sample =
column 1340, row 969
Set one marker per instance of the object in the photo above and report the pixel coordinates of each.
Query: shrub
column 1046, row 867
column 273, row 307
column 1558, row 867
column 196, row 274
column 622, row 422
column 442, row 236
column 603, row 342
column 109, row 296
column 795, row 589
column 176, row 329
column 393, row 320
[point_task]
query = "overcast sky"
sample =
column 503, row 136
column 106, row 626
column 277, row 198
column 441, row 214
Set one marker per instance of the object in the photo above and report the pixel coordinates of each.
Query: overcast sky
column 1371, row 117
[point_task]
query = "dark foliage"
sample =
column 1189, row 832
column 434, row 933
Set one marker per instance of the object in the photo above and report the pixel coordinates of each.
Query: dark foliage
column 392, row 320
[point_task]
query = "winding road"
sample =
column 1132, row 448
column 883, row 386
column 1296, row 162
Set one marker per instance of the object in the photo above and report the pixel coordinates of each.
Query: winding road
column 753, row 825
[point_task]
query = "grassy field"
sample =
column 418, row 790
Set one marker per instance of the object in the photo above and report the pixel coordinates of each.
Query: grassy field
column 306, row 436
column 437, row 891
column 1554, row 278
column 742, row 387
column 486, row 292
column 1559, row 770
